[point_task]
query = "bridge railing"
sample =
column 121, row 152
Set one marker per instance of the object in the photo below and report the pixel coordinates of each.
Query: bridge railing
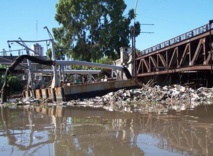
column 180, row 38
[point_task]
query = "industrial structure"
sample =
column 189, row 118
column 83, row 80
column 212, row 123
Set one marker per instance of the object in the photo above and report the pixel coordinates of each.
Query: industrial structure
column 185, row 59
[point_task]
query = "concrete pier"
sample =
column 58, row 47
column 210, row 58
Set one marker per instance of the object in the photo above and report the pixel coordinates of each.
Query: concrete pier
column 66, row 93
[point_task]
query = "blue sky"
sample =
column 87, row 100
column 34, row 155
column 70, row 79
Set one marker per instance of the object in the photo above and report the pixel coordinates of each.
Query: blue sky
column 27, row 18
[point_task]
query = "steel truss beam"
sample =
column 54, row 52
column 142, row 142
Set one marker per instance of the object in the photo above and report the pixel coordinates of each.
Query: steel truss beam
column 193, row 54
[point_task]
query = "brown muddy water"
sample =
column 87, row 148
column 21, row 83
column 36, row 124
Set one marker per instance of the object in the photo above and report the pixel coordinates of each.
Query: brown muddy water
column 83, row 131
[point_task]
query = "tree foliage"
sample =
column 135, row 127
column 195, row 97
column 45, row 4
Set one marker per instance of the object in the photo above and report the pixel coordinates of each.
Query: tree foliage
column 91, row 29
column 49, row 54
column 15, row 83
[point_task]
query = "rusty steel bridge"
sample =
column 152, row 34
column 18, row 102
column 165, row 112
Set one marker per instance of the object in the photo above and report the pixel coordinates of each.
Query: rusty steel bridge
column 185, row 59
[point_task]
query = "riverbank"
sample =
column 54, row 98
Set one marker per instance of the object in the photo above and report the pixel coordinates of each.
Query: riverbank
column 153, row 99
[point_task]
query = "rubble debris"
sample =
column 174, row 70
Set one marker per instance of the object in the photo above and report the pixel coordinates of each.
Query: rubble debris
column 145, row 99
column 175, row 97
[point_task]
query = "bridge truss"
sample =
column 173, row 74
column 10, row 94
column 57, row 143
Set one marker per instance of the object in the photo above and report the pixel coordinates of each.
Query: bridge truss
column 179, row 60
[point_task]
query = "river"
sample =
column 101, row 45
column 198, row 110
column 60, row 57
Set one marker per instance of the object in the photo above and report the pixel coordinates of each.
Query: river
column 83, row 131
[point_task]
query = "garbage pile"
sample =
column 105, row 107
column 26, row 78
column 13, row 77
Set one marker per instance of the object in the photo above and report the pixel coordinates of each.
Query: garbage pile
column 174, row 97
column 146, row 99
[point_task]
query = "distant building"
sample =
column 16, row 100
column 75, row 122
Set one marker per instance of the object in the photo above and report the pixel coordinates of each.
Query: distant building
column 4, row 52
column 38, row 50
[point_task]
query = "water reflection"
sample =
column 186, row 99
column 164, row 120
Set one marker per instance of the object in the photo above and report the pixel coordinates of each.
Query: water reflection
column 58, row 130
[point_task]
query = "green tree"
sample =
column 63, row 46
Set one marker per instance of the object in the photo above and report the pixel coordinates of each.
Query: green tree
column 91, row 29
column 59, row 52
column 15, row 83
column 49, row 54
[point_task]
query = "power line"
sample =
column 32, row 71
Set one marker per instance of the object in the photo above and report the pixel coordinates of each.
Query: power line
column 4, row 52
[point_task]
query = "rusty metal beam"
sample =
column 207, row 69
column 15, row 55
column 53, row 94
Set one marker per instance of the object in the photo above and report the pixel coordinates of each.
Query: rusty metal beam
column 153, row 61
column 146, row 65
column 186, row 51
column 139, row 66
column 170, row 71
column 175, row 51
column 208, row 57
column 162, row 60
column 198, row 50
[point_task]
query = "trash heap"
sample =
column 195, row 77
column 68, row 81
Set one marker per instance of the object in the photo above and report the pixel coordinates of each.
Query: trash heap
column 144, row 99
column 175, row 97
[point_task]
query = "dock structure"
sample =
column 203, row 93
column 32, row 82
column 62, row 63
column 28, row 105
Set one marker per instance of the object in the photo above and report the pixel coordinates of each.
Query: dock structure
column 66, row 93
column 119, row 78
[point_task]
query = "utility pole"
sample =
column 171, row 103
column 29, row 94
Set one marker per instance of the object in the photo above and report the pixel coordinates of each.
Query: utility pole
column 133, row 51
column 133, row 44
column 55, row 81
